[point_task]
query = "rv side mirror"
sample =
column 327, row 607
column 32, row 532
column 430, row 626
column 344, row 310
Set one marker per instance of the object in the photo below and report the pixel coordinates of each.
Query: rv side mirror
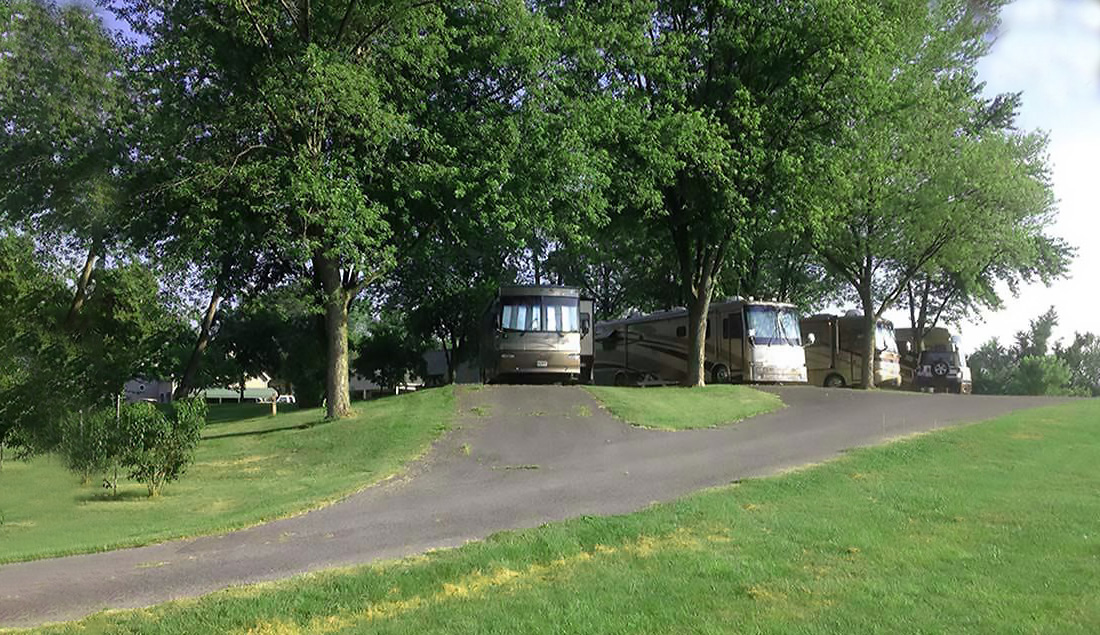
column 584, row 325
column 810, row 339
column 752, row 334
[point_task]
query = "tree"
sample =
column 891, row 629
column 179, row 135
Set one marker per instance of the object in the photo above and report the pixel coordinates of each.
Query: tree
column 960, row 282
column 919, row 187
column 66, row 111
column 992, row 366
column 34, row 302
column 160, row 446
column 278, row 331
column 390, row 354
column 329, row 112
column 1035, row 366
column 1082, row 358
column 711, row 113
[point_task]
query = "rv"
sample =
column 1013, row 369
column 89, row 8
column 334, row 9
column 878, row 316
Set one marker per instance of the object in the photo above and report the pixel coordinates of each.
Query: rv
column 940, row 365
column 835, row 359
column 539, row 333
column 746, row 341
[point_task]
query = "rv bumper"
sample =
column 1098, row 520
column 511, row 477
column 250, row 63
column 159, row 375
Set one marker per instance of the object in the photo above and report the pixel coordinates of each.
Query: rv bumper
column 763, row 373
column 538, row 363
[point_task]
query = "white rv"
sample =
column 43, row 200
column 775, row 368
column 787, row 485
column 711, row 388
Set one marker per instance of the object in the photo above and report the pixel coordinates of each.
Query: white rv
column 746, row 341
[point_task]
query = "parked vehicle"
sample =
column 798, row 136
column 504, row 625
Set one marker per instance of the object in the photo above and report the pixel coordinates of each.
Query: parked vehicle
column 537, row 332
column 746, row 341
column 835, row 359
column 941, row 364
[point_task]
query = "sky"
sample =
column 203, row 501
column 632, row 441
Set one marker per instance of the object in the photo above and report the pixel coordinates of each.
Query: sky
column 1050, row 50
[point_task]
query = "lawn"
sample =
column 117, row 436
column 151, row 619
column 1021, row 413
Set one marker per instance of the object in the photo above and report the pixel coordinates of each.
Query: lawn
column 677, row 408
column 249, row 467
column 990, row 528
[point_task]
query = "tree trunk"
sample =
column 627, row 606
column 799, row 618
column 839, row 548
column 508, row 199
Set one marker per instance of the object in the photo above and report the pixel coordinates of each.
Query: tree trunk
column 81, row 293
column 336, row 301
column 869, row 324
column 697, row 338
column 187, row 383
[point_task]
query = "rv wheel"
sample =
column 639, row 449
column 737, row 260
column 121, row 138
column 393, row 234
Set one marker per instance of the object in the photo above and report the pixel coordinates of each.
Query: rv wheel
column 834, row 381
column 720, row 375
column 621, row 379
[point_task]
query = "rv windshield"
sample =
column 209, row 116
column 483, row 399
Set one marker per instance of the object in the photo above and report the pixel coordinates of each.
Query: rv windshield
column 539, row 313
column 884, row 338
column 773, row 325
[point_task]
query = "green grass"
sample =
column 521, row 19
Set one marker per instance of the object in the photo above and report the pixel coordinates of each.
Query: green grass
column 676, row 408
column 985, row 529
column 249, row 467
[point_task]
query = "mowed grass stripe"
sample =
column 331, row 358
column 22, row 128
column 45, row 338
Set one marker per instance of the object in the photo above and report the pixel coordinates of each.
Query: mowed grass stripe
column 248, row 468
column 990, row 528
column 678, row 408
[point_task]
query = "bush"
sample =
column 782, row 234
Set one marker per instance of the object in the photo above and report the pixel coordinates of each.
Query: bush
column 1040, row 375
column 160, row 447
column 91, row 442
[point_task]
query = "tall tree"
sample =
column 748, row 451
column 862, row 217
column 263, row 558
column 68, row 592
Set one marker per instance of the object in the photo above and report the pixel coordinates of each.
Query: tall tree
column 709, row 114
column 66, row 114
column 917, row 185
column 330, row 108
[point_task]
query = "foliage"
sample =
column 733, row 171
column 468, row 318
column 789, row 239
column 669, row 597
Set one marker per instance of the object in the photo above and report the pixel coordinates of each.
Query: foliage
column 31, row 349
column 713, row 116
column 992, row 367
column 92, row 442
column 389, row 354
column 338, row 119
column 275, row 331
column 1039, row 375
column 1034, row 365
column 67, row 112
column 1082, row 357
column 160, row 446
column 935, row 180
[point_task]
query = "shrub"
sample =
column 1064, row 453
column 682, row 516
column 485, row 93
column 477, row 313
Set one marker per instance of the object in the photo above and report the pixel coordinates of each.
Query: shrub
column 1040, row 375
column 160, row 447
column 91, row 442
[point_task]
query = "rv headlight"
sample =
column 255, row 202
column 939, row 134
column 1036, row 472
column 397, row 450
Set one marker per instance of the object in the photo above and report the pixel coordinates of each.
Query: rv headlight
column 507, row 356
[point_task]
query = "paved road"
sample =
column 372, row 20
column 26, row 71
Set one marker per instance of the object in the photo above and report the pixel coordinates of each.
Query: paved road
column 523, row 456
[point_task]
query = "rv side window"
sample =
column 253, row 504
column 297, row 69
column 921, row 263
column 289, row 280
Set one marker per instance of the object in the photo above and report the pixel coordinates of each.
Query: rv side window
column 681, row 331
column 706, row 333
column 736, row 332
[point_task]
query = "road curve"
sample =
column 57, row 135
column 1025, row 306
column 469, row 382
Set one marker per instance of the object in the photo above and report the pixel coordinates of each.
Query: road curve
column 520, row 456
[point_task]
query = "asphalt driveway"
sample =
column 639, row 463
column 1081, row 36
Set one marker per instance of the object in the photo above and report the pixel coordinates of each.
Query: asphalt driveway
column 521, row 456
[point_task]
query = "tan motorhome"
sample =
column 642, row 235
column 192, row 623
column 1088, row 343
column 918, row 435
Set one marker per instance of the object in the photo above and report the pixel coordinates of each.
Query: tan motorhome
column 746, row 341
column 835, row 358
column 537, row 332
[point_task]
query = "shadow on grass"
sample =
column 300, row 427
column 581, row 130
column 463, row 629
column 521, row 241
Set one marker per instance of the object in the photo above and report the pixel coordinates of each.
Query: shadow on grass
column 256, row 433
column 106, row 496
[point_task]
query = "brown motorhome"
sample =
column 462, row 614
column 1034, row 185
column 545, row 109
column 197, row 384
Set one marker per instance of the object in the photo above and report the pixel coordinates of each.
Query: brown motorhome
column 537, row 332
column 746, row 341
column 836, row 356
